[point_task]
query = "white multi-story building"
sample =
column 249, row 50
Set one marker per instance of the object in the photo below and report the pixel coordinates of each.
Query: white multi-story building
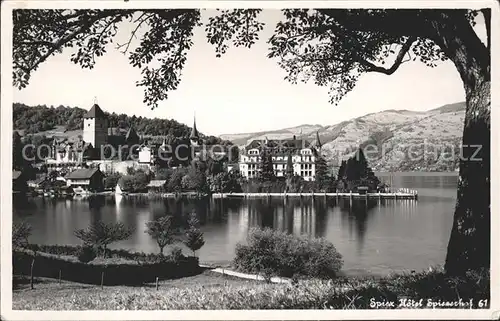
column 291, row 156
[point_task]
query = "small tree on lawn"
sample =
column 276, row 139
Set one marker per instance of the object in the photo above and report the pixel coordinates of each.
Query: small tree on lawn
column 20, row 233
column 99, row 235
column 193, row 235
column 162, row 231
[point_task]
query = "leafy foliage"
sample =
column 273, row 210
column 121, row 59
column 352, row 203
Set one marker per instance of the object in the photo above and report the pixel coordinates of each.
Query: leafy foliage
column 195, row 180
column 335, row 47
column 34, row 119
column 111, row 180
column 239, row 26
column 225, row 182
column 331, row 47
column 136, row 182
column 162, row 231
column 86, row 254
column 287, row 255
column 266, row 172
column 21, row 231
column 100, row 234
column 71, row 250
column 193, row 236
column 17, row 151
column 174, row 184
column 322, row 179
column 356, row 172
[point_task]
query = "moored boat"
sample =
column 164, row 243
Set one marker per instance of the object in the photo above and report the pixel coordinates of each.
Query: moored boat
column 118, row 190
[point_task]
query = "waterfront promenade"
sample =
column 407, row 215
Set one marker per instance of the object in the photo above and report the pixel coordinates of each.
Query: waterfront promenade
column 403, row 194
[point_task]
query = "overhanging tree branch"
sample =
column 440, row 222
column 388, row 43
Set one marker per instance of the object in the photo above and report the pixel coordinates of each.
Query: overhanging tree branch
column 369, row 66
column 61, row 42
column 132, row 35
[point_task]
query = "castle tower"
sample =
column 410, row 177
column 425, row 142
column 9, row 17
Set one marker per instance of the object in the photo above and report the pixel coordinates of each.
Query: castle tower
column 95, row 127
column 195, row 136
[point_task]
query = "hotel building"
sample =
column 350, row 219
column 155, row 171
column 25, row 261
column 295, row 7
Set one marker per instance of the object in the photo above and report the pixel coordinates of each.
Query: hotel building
column 295, row 156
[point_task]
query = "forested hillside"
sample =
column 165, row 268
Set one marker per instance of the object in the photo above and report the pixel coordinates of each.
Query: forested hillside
column 39, row 119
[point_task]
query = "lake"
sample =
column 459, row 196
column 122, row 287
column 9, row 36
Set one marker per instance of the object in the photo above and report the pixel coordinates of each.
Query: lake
column 374, row 237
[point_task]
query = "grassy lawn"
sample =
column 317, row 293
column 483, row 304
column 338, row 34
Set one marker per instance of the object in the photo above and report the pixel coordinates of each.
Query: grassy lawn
column 214, row 291
column 48, row 294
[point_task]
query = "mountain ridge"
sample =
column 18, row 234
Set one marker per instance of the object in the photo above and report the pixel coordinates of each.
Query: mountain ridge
column 394, row 130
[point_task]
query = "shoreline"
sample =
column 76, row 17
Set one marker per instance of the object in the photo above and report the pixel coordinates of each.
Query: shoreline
column 403, row 194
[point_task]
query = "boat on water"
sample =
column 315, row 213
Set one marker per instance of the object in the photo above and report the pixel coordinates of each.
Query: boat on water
column 80, row 191
column 118, row 190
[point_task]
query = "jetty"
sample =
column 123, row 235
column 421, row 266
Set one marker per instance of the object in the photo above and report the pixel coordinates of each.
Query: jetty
column 396, row 195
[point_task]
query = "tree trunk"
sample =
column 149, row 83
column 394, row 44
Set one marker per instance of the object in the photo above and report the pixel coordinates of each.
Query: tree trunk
column 469, row 244
column 32, row 273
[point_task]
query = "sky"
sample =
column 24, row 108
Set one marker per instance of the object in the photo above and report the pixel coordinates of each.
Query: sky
column 243, row 91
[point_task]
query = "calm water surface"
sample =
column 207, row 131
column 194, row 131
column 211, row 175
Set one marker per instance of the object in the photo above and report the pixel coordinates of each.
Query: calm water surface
column 373, row 237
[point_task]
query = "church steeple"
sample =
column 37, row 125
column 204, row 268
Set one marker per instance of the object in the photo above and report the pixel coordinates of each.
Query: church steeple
column 194, row 132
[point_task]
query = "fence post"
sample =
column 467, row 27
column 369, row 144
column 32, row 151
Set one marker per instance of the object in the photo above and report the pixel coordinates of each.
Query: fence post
column 31, row 273
column 102, row 280
column 60, row 272
column 156, row 283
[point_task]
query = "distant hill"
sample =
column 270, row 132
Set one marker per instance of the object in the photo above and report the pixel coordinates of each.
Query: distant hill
column 243, row 139
column 398, row 133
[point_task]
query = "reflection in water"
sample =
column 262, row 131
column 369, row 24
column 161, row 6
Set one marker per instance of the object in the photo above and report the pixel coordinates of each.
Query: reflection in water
column 374, row 236
column 355, row 215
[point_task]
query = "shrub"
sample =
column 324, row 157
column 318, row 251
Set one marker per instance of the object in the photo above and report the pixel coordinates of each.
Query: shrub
column 137, row 182
column 86, row 254
column 287, row 255
column 115, row 273
column 174, row 184
column 21, row 231
column 101, row 234
column 72, row 250
column 111, row 180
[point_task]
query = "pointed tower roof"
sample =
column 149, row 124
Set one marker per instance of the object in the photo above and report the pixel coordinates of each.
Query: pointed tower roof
column 131, row 134
column 95, row 112
column 194, row 131
column 318, row 141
